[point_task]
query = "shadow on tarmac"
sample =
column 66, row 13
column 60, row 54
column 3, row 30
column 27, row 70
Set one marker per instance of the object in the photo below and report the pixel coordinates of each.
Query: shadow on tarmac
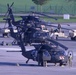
column 15, row 64
column 19, row 64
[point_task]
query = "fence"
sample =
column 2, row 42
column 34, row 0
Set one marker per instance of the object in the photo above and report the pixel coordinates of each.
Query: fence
column 46, row 9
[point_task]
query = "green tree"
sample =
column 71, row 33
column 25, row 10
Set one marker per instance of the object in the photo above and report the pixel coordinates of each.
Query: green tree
column 74, row 5
column 40, row 2
column 71, row 0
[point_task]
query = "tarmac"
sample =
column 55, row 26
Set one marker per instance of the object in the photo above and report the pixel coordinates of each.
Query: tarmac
column 13, row 63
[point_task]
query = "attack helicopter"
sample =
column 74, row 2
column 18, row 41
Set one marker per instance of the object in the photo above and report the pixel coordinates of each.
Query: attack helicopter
column 48, row 49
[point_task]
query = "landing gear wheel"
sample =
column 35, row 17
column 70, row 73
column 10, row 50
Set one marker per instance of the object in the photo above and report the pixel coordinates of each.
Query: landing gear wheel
column 56, row 37
column 72, row 38
column 41, row 63
column 44, row 63
column 61, row 64
column 75, row 37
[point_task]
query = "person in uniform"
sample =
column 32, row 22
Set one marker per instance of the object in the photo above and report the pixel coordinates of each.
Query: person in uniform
column 70, row 57
column 40, row 59
column 40, row 54
column 51, row 33
column 59, row 27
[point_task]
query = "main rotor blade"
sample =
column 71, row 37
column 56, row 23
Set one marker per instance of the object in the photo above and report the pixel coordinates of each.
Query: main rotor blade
column 11, row 4
column 8, row 5
column 61, row 27
column 45, row 15
column 57, row 43
column 7, row 10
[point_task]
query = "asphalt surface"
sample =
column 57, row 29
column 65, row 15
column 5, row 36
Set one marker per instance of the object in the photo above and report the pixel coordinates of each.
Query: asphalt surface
column 13, row 63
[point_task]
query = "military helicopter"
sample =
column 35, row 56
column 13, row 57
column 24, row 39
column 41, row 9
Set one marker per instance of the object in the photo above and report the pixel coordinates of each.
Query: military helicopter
column 31, row 25
column 46, row 51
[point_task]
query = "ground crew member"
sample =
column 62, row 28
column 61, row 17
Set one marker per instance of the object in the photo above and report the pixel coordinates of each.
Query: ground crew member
column 52, row 30
column 51, row 33
column 40, row 59
column 70, row 57
column 59, row 27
